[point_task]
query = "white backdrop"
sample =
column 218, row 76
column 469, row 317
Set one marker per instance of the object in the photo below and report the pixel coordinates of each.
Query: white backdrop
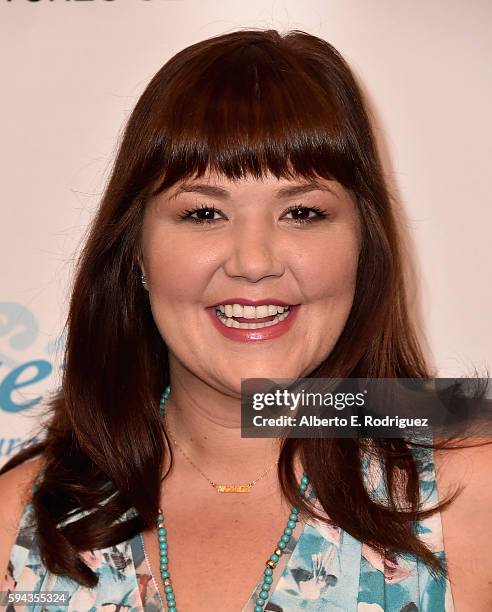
column 72, row 70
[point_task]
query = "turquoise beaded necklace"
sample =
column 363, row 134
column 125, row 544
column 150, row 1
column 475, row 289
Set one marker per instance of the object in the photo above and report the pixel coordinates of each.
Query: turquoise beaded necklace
column 270, row 563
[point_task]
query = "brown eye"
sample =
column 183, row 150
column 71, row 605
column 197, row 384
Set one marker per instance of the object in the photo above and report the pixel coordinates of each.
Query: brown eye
column 205, row 214
column 302, row 214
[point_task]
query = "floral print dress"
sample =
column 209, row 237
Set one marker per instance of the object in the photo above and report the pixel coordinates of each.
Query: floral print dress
column 322, row 569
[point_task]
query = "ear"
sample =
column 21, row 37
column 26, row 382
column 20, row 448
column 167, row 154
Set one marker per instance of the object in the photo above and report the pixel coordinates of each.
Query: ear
column 142, row 272
column 140, row 265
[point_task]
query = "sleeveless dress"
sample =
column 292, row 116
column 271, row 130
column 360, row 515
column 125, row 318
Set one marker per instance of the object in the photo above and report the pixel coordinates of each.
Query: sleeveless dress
column 323, row 568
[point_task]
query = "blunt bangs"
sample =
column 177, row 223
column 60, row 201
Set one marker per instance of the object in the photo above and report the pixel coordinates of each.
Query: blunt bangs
column 252, row 108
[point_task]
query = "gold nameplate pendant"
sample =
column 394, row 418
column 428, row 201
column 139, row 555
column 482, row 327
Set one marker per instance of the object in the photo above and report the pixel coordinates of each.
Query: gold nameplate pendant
column 222, row 488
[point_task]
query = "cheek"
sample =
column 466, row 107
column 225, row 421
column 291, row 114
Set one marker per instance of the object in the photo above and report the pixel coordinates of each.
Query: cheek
column 329, row 269
column 329, row 280
column 177, row 269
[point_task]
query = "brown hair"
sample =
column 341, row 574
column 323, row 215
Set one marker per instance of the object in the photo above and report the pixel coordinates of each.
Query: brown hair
column 246, row 102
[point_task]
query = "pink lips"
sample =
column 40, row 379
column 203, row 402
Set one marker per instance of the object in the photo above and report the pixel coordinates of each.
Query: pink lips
column 261, row 333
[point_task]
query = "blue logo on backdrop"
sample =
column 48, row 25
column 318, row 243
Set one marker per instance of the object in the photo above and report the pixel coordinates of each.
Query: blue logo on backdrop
column 19, row 330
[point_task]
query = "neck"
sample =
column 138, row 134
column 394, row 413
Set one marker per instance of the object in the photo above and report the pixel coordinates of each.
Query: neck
column 206, row 426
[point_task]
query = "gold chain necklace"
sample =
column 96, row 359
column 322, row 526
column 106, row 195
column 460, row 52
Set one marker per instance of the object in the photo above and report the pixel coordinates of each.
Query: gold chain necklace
column 220, row 488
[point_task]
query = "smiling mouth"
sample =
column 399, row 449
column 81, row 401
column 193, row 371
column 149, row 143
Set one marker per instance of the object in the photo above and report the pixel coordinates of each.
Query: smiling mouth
column 248, row 323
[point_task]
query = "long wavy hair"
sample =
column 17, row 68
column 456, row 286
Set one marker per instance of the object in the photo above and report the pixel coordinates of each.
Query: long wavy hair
column 244, row 103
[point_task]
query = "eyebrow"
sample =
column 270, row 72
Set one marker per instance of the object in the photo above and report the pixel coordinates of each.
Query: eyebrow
column 220, row 192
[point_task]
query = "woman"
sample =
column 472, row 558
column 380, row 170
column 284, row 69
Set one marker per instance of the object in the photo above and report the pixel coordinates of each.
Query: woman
column 247, row 188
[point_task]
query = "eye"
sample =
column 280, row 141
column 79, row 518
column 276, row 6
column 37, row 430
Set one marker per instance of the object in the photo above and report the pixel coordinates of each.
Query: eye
column 205, row 214
column 300, row 212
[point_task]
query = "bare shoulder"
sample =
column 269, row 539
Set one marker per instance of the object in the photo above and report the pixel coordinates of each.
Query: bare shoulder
column 15, row 492
column 467, row 522
column 468, row 466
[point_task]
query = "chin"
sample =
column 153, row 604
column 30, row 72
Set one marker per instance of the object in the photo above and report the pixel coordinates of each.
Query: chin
column 267, row 372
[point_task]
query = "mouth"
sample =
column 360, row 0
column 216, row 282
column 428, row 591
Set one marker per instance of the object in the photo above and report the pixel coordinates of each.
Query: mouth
column 251, row 317
column 245, row 320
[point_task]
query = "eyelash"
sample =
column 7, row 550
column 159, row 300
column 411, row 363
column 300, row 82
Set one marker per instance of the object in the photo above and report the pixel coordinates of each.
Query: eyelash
column 186, row 215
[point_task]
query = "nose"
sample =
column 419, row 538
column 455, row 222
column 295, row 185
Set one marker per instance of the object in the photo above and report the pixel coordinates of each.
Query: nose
column 253, row 253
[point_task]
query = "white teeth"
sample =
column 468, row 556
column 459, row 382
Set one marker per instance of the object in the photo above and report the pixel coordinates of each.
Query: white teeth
column 261, row 311
column 251, row 312
column 229, row 322
column 237, row 310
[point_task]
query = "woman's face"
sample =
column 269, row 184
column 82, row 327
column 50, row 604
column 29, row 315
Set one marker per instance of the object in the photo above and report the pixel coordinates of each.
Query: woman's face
column 210, row 243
